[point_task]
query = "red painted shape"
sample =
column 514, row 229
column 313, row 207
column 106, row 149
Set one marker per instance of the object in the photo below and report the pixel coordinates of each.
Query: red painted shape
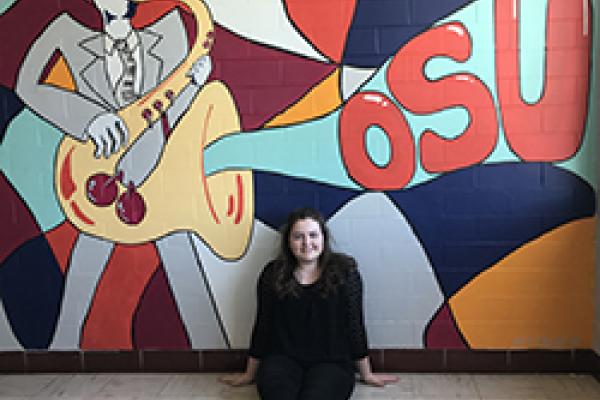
column 421, row 96
column 109, row 322
column 150, row 11
column 551, row 129
column 61, row 240
column 157, row 323
column 101, row 189
column 79, row 214
column 164, row 123
column 230, row 205
column 368, row 109
column 263, row 81
column 17, row 224
column 207, row 196
column 324, row 23
column 66, row 184
column 240, row 199
column 131, row 207
column 442, row 332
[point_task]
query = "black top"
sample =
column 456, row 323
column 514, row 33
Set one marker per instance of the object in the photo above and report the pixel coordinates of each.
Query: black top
column 310, row 327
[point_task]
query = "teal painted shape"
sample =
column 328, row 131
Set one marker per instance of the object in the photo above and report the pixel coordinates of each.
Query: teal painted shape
column 378, row 146
column 585, row 162
column 27, row 159
column 5, row 5
column 309, row 150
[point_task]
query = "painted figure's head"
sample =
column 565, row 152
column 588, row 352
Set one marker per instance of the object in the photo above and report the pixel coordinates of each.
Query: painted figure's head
column 116, row 16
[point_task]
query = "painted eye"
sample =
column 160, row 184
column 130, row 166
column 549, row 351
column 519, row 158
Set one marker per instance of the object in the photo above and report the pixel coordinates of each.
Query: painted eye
column 131, row 9
column 109, row 17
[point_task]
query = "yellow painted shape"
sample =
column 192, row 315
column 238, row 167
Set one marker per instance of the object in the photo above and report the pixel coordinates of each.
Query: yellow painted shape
column 320, row 100
column 60, row 76
column 178, row 195
column 539, row 296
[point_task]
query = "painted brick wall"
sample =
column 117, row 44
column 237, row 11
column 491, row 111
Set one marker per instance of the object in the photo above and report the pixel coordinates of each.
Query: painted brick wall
column 460, row 171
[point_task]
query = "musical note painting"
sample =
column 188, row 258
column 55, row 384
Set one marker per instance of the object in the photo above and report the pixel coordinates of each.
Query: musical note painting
column 151, row 149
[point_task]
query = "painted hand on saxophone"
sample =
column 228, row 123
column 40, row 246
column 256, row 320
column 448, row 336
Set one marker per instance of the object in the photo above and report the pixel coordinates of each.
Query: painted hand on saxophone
column 108, row 132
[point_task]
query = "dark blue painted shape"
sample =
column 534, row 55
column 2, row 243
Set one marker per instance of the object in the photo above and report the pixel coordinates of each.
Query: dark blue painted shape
column 10, row 105
column 276, row 196
column 381, row 27
column 470, row 219
column 30, row 288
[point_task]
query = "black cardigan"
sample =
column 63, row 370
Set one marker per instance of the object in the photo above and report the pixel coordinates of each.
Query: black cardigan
column 310, row 328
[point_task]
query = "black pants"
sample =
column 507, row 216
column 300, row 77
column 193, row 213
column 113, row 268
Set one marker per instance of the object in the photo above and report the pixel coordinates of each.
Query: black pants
column 283, row 378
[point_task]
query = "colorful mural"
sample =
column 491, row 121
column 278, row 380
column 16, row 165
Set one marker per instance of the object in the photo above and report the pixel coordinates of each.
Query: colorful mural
column 150, row 150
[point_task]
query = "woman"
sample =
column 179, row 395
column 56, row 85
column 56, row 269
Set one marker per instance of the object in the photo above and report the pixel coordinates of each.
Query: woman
column 309, row 333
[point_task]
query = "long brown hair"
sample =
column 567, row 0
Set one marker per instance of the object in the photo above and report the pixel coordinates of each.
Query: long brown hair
column 332, row 265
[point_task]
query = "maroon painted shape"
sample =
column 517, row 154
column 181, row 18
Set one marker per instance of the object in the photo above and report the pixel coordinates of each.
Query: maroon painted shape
column 24, row 22
column 443, row 333
column 17, row 224
column 264, row 81
column 156, row 323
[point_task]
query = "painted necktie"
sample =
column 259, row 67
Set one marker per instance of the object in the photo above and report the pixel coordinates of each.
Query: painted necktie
column 124, row 91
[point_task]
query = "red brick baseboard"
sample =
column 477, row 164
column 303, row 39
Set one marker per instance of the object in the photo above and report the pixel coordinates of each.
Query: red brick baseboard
column 391, row 360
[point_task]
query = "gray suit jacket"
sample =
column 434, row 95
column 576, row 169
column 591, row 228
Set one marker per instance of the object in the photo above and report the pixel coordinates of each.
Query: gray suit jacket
column 164, row 46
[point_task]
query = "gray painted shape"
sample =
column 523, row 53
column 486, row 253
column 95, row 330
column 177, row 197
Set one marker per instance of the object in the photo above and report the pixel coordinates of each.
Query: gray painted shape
column 401, row 290
column 191, row 291
column 88, row 260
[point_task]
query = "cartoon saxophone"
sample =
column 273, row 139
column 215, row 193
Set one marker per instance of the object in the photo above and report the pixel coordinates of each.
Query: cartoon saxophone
column 176, row 195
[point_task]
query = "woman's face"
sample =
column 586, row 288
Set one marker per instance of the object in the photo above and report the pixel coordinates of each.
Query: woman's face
column 306, row 240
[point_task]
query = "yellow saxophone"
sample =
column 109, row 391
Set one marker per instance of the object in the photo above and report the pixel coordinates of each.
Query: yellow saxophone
column 177, row 195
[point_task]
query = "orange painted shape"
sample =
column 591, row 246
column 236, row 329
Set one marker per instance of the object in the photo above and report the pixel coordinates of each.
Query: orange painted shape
column 109, row 322
column 60, row 76
column 61, row 240
column 320, row 100
column 539, row 296
column 80, row 214
column 324, row 22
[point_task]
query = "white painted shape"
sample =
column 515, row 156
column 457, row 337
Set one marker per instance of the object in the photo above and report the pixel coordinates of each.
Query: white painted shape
column 353, row 78
column 8, row 342
column 263, row 21
column 233, row 283
column 401, row 291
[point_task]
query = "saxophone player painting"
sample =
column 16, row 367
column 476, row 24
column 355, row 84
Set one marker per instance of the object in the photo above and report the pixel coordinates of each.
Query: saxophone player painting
column 131, row 99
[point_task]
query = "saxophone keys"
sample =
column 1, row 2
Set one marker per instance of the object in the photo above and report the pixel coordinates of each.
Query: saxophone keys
column 147, row 115
column 158, row 106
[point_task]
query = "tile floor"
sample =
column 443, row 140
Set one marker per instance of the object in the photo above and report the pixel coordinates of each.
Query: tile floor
column 206, row 386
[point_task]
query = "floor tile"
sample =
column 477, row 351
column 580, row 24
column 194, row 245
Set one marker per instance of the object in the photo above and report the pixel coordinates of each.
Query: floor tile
column 24, row 385
column 207, row 387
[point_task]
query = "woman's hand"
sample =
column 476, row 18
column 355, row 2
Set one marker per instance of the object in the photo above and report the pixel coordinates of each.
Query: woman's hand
column 245, row 378
column 237, row 379
column 379, row 380
column 368, row 377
